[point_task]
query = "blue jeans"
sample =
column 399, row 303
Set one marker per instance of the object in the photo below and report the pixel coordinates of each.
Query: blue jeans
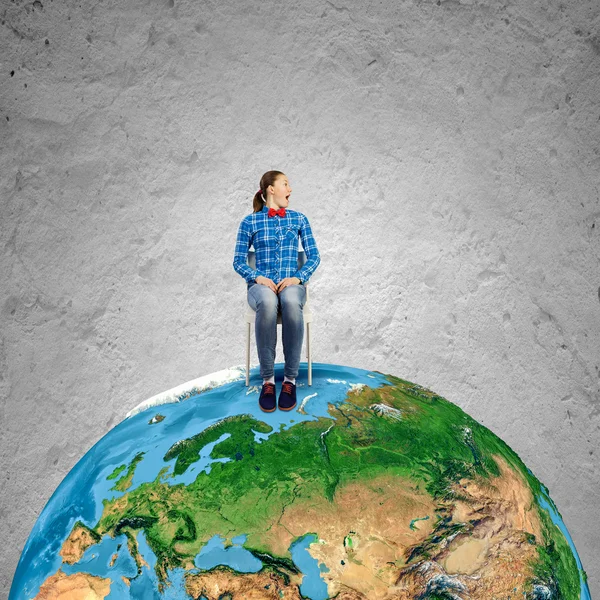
column 290, row 301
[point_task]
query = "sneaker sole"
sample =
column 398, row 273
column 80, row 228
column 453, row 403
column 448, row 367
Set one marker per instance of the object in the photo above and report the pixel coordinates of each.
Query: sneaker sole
column 266, row 409
column 290, row 408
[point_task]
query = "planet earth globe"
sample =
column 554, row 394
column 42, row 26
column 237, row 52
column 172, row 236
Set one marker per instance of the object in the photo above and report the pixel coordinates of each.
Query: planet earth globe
column 372, row 488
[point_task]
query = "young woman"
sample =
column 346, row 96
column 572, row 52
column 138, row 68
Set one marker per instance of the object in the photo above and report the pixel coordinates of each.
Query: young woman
column 277, row 283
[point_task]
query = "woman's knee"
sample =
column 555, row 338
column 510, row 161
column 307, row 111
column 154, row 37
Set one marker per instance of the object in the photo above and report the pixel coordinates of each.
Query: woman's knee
column 264, row 299
column 293, row 297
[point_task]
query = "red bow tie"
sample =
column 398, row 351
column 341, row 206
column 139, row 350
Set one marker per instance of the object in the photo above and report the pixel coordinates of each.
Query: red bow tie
column 280, row 212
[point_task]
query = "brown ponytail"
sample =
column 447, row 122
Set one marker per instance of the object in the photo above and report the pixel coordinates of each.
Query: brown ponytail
column 265, row 181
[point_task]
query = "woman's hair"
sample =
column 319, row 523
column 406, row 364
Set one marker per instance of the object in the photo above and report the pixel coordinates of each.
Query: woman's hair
column 265, row 181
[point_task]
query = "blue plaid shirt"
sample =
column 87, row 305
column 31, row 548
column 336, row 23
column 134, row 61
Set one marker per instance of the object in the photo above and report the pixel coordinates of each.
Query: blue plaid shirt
column 275, row 241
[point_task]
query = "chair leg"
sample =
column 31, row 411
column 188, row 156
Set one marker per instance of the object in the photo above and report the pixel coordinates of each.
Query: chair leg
column 308, row 354
column 248, row 355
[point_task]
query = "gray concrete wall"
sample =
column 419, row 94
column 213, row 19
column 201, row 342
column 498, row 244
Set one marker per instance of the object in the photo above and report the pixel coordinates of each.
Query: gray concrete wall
column 445, row 152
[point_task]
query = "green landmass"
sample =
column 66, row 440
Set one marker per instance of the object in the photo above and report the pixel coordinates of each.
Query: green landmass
column 188, row 451
column 124, row 483
column 117, row 472
column 556, row 568
column 434, row 445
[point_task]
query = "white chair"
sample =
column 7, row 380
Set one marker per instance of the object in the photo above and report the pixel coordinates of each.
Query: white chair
column 251, row 318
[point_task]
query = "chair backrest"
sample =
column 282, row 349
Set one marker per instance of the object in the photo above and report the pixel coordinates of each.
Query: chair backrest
column 252, row 258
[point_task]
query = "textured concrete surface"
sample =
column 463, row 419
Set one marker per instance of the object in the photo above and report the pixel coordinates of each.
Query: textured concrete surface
column 445, row 152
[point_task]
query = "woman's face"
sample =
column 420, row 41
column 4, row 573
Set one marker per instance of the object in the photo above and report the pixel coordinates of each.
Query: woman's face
column 281, row 191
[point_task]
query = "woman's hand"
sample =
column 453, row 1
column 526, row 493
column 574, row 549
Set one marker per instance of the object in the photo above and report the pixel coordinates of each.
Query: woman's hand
column 266, row 281
column 280, row 286
column 287, row 281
